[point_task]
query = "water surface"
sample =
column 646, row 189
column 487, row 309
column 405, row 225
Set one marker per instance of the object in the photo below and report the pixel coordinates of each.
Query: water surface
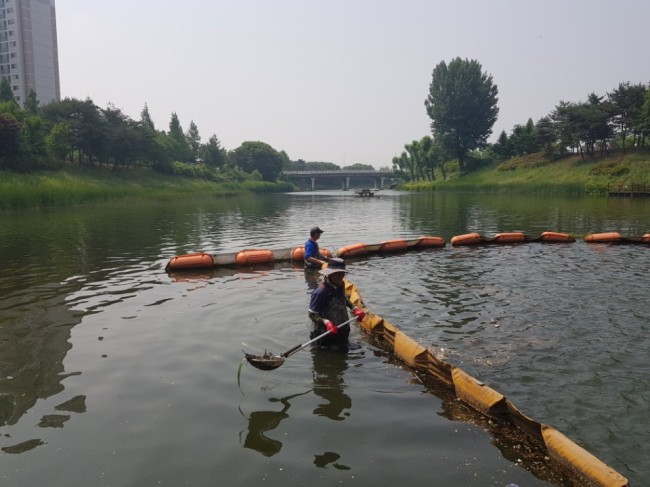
column 113, row 372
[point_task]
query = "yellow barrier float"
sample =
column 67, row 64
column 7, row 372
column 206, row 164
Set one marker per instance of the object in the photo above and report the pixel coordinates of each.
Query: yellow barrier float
column 575, row 462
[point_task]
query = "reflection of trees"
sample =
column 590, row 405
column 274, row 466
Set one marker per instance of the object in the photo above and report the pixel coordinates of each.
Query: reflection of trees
column 35, row 326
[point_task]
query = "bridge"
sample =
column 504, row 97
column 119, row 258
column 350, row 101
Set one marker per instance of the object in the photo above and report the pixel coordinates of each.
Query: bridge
column 344, row 175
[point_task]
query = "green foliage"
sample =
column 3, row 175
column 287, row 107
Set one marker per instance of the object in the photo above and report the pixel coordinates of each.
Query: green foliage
column 524, row 162
column 610, row 168
column 6, row 93
column 462, row 105
column 258, row 156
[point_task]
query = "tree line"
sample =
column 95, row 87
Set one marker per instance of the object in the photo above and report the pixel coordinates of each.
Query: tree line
column 461, row 103
column 78, row 132
column 462, row 106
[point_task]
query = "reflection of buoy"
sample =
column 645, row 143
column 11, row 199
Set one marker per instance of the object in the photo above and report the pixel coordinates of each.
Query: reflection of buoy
column 603, row 237
column 191, row 261
column 424, row 242
column 352, row 250
column 393, row 246
column 251, row 257
column 512, row 237
column 466, row 239
column 556, row 237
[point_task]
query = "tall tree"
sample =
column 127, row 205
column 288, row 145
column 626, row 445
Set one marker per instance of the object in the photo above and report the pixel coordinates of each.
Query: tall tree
column 31, row 103
column 212, row 153
column 6, row 93
column 182, row 151
column 462, row 105
column 627, row 103
column 258, row 156
column 193, row 139
column 145, row 118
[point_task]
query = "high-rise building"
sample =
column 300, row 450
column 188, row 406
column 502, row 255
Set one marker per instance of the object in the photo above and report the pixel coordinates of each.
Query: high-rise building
column 28, row 49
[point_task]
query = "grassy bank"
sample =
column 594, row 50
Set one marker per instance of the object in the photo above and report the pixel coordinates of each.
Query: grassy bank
column 536, row 174
column 101, row 186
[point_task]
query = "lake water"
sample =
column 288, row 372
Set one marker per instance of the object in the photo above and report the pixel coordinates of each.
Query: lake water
column 115, row 373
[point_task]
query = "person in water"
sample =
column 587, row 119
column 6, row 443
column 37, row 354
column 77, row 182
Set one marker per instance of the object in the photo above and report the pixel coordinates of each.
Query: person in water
column 313, row 258
column 328, row 306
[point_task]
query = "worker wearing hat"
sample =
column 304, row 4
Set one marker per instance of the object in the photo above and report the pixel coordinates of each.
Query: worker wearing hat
column 328, row 306
column 313, row 258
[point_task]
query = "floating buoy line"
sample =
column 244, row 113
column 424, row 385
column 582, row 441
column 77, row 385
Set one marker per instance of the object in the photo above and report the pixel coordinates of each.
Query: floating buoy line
column 252, row 257
column 559, row 453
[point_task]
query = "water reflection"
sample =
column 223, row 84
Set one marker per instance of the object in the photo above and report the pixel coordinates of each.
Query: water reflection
column 35, row 326
column 261, row 422
column 312, row 278
column 327, row 372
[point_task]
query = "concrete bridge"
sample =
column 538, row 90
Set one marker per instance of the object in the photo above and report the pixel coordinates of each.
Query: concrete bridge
column 345, row 176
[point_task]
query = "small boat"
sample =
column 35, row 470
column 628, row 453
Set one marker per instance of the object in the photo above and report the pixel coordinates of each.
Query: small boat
column 366, row 192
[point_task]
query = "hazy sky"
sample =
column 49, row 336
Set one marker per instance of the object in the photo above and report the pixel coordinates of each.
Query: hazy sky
column 340, row 81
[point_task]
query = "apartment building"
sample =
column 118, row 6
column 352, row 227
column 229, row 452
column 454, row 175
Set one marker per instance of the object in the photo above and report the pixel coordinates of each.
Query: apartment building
column 28, row 49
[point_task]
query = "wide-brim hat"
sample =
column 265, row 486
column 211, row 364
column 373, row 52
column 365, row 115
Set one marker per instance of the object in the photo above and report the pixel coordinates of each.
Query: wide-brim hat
column 334, row 265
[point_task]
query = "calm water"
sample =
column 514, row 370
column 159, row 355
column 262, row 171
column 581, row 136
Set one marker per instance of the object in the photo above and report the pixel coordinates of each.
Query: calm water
column 114, row 373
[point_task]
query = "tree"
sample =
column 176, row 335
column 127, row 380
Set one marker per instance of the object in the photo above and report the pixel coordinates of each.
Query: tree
column 546, row 136
column 31, row 103
column 87, row 128
column 502, row 146
column 258, row 156
column 58, row 141
column 10, row 129
column 6, row 93
column 145, row 118
column 181, row 151
column 212, row 153
column 194, row 139
column 462, row 105
column 645, row 117
column 627, row 104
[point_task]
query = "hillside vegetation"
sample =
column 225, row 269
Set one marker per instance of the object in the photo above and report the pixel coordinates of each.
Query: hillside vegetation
column 536, row 173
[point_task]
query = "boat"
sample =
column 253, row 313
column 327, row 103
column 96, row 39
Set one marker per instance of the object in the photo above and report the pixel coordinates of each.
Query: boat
column 366, row 192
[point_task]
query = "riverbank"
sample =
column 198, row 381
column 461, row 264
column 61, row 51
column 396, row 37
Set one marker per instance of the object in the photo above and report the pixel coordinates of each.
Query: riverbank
column 102, row 186
column 535, row 174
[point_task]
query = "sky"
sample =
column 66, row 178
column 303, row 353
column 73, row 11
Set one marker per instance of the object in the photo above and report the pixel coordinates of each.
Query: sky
column 340, row 81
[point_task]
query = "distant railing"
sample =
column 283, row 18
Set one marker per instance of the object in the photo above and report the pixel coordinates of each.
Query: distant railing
column 380, row 172
column 628, row 189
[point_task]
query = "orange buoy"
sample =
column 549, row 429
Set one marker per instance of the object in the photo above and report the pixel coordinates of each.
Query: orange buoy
column 556, row 237
column 646, row 238
column 603, row 237
column 352, row 250
column 512, row 237
column 393, row 246
column 299, row 253
column 430, row 242
column 466, row 239
column 196, row 260
column 252, row 257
